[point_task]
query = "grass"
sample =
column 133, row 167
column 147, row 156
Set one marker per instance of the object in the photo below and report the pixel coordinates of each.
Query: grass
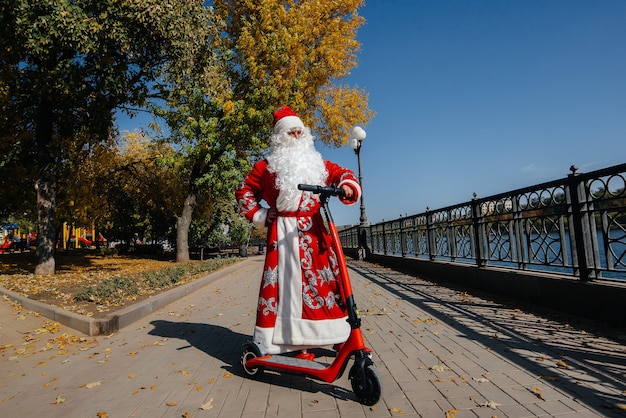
column 94, row 285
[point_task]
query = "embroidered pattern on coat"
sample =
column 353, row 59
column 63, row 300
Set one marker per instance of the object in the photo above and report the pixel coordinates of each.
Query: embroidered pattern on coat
column 247, row 202
column 267, row 306
column 270, row 277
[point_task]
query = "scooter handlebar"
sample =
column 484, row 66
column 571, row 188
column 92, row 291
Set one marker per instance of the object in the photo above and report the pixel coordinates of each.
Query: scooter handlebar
column 328, row 190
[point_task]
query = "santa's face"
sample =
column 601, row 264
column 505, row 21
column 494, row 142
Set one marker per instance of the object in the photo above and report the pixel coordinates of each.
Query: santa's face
column 295, row 133
column 295, row 160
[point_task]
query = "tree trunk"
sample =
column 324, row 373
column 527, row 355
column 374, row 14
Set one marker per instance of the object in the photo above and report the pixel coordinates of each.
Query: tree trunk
column 45, row 188
column 46, row 236
column 182, row 228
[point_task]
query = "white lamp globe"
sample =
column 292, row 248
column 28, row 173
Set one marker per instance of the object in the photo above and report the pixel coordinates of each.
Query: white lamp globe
column 358, row 133
column 354, row 143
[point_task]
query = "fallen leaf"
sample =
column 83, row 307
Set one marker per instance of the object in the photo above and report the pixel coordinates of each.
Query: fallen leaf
column 439, row 367
column 481, row 380
column 450, row 413
column 491, row 404
column 93, row 384
column 102, row 414
column 208, row 405
column 228, row 375
column 172, row 403
column 396, row 411
column 59, row 400
column 537, row 391
column 562, row 364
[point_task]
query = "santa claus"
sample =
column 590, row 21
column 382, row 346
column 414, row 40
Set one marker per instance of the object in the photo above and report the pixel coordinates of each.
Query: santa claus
column 299, row 304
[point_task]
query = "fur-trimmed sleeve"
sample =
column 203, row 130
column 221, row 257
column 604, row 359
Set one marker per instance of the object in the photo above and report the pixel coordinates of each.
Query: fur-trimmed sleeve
column 340, row 176
column 248, row 195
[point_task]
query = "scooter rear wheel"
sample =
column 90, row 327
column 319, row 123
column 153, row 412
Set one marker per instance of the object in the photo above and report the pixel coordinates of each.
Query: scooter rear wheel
column 250, row 351
column 368, row 392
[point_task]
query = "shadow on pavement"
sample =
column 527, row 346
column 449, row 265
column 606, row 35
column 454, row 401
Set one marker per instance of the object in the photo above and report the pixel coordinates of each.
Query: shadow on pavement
column 226, row 346
column 512, row 332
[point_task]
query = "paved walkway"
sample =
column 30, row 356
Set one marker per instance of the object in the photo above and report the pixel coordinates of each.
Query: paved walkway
column 440, row 352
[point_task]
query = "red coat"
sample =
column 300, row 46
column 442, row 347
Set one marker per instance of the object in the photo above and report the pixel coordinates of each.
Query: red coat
column 299, row 303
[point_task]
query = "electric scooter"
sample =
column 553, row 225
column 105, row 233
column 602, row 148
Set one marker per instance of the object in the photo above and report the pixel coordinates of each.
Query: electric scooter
column 364, row 379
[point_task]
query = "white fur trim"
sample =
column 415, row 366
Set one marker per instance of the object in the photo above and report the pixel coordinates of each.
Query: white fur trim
column 287, row 123
column 356, row 187
column 260, row 216
column 312, row 334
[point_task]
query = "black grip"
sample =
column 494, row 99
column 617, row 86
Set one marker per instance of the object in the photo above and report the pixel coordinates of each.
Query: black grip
column 329, row 190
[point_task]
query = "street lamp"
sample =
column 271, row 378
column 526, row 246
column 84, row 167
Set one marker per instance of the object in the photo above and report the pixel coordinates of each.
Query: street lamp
column 355, row 144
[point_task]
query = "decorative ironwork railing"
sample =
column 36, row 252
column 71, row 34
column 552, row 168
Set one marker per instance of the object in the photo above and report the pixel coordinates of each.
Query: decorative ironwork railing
column 574, row 226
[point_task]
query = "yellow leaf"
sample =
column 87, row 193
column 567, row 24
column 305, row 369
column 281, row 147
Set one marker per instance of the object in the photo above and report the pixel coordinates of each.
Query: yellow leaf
column 228, row 375
column 396, row 411
column 93, row 384
column 439, row 367
column 562, row 364
column 59, row 400
column 172, row 403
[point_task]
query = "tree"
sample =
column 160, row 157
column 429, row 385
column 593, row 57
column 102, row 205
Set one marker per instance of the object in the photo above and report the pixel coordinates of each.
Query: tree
column 271, row 52
column 296, row 53
column 65, row 65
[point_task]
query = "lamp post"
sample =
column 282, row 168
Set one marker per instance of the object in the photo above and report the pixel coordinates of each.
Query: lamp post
column 356, row 142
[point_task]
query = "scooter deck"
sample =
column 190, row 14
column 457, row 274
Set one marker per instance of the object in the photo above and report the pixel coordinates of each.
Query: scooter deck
column 268, row 361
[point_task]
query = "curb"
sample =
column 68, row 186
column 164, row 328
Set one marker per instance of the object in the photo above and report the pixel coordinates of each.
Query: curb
column 119, row 319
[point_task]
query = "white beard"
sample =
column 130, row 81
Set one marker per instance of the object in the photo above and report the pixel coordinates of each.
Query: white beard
column 295, row 161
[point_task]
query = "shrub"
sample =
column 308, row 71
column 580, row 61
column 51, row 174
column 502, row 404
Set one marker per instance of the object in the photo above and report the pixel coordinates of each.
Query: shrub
column 123, row 288
column 116, row 287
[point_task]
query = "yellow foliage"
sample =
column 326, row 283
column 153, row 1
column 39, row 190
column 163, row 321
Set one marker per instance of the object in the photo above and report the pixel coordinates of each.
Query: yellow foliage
column 295, row 52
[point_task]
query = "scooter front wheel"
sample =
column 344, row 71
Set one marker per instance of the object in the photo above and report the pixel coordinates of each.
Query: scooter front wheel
column 367, row 386
column 250, row 351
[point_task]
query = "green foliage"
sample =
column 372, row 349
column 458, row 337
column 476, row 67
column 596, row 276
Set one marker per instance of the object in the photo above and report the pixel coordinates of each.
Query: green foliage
column 118, row 287
column 66, row 65
column 110, row 290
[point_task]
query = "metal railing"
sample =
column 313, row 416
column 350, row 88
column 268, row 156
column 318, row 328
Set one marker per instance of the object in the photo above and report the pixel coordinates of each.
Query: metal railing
column 574, row 226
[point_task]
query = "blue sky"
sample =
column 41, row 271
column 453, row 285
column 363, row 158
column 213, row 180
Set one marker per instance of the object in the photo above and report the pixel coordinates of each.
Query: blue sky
column 484, row 96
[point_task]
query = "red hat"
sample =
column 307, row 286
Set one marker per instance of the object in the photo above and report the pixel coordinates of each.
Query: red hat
column 286, row 119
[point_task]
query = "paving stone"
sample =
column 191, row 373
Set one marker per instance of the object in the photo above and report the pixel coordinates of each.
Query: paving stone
column 187, row 354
